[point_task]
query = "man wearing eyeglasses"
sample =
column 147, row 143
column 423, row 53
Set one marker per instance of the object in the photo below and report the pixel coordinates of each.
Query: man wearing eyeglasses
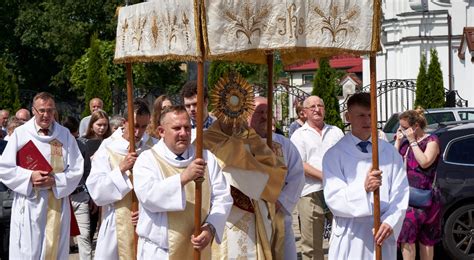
column 40, row 221
column 312, row 140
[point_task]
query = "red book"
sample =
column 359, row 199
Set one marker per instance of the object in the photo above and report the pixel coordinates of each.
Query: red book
column 74, row 231
column 29, row 157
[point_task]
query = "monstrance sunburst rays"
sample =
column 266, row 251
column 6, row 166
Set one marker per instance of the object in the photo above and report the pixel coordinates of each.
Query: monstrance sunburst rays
column 233, row 99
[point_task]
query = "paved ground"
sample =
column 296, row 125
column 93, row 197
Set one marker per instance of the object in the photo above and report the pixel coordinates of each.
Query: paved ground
column 296, row 230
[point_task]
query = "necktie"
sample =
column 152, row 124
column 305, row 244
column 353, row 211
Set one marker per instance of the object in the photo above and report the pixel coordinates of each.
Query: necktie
column 45, row 131
column 179, row 158
column 363, row 146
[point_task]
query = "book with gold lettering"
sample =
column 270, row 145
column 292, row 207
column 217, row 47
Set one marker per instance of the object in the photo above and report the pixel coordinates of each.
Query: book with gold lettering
column 29, row 157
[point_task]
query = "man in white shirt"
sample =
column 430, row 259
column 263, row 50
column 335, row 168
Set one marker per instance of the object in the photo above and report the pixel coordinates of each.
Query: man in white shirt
column 110, row 187
column 312, row 140
column 348, row 185
column 164, row 186
column 294, row 179
column 40, row 221
column 94, row 105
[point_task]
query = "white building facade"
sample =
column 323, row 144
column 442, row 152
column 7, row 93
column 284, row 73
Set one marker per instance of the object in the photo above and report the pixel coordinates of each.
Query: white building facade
column 411, row 28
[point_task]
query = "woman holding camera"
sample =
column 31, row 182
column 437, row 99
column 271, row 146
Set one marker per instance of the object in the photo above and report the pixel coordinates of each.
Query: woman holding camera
column 420, row 151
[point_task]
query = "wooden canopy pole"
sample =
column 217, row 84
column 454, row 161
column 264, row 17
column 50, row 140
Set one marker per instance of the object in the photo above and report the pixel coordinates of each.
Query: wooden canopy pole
column 270, row 100
column 131, row 137
column 375, row 146
column 199, row 136
column 199, row 132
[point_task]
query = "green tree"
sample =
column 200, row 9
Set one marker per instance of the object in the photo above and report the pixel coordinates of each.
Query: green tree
column 422, row 91
column 8, row 89
column 435, row 92
column 324, row 86
column 97, row 83
column 220, row 68
column 164, row 77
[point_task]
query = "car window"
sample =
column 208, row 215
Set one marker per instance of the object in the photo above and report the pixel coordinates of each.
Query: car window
column 437, row 117
column 461, row 151
column 392, row 124
column 466, row 115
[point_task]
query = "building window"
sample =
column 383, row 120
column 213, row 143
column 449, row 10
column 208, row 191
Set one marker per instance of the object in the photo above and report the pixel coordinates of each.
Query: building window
column 308, row 78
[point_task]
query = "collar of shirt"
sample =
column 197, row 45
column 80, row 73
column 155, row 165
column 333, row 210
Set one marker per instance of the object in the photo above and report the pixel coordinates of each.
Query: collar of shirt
column 356, row 141
column 207, row 123
column 169, row 155
column 38, row 128
column 306, row 126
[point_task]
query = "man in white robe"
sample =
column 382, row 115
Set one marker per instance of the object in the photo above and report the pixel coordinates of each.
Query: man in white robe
column 163, row 177
column 294, row 180
column 40, row 195
column 109, row 184
column 349, row 183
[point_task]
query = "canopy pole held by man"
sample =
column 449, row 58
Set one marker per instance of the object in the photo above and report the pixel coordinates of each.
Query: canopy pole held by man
column 270, row 99
column 199, row 134
column 131, row 137
column 375, row 147
column 199, row 131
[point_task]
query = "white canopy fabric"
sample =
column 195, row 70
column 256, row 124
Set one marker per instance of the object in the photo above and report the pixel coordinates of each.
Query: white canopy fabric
column 246, row 30
column 156, row 31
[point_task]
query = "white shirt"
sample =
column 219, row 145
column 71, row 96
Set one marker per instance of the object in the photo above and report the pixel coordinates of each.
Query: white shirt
column 312, row 146
column 83, row 125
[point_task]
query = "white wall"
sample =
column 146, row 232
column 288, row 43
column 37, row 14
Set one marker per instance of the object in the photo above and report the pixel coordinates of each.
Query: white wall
column 401, row 61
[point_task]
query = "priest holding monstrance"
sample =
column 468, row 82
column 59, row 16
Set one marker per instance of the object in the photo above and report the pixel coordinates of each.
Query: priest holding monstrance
column 255, row 173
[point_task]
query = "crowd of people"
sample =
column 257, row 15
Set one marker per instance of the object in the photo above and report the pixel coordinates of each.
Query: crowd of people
column 249, row 192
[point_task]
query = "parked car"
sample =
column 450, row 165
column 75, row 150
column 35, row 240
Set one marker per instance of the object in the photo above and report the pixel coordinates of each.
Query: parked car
column 455, row 180
column 433, row 116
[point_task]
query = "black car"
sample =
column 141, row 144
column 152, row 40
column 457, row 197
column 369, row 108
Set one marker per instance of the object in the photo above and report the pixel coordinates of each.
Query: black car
column 455, row 179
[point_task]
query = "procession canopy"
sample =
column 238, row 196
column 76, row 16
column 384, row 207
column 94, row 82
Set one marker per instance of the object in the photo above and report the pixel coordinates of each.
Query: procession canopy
column 245, row 30
column 158, row 31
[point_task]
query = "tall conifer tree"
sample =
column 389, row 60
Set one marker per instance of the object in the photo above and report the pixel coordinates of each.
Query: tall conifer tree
column 324, row 86
column 97, row 82
column 436, row 90
column 422, row 91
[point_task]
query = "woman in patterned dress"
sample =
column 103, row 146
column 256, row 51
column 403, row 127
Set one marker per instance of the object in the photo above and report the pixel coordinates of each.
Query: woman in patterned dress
column 420, row 150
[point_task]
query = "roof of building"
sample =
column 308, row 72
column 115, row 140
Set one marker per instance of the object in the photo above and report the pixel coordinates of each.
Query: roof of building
column 352, row 76
column 467, row 41
column 349, row 63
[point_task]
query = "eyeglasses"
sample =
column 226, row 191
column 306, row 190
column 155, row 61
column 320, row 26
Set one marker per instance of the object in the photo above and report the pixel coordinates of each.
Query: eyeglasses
column 314, row 107
column 43, row 111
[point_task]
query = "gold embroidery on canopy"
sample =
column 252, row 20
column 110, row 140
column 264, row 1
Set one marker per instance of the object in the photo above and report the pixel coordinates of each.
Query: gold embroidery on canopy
column 185, row 21
column 175, row 29
column 155, row 29
column 338, row 22
column 251, row 21
column 293, row 25
column 138, row 27
column 124, row 32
